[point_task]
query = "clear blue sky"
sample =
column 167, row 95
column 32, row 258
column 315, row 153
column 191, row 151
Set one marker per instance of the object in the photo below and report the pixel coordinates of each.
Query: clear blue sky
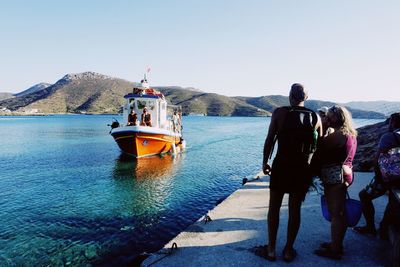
column 340, row 50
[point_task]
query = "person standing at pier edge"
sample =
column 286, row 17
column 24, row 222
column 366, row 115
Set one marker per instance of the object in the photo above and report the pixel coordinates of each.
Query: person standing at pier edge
column 296, row 128
column 335, row 154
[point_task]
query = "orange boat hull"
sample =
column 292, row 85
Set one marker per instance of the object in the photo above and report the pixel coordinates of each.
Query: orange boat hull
column 145, row 144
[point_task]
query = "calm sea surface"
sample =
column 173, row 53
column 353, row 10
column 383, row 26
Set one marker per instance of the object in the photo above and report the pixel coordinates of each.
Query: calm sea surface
column 68, row 197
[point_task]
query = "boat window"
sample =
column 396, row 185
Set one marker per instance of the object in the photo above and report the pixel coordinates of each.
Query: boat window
column 141, row 104
column 132, row 103
column 150, row 105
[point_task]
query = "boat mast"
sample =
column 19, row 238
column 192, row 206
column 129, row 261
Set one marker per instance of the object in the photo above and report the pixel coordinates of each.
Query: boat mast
column 144, row 82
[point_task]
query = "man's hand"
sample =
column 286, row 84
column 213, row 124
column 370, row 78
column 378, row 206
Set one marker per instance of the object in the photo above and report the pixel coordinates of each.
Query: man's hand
column 266, row 169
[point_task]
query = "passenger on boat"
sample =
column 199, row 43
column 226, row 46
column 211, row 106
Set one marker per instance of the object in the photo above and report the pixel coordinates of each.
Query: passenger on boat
column 132, row 118
column 144, row 84
column 138, row 91
column 176, row 121
column 146, row 118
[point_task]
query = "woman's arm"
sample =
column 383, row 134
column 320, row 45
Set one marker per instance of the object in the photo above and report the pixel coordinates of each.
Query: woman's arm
column 351, row 147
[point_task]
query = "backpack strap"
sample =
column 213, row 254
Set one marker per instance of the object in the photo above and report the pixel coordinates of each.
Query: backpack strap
column 313, row 114
column 299, row 121
column 304, row 110
column 315, row 118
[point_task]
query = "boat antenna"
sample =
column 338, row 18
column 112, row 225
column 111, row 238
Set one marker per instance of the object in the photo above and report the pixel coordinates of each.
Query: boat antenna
column 145, row 73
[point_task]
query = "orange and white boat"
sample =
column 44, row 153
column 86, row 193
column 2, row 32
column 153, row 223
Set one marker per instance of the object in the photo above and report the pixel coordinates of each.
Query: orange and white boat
column 135, row 137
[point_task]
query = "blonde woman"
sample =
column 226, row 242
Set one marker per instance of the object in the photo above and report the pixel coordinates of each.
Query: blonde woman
column 337, row 148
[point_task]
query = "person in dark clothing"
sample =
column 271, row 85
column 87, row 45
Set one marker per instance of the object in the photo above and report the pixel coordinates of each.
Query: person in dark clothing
column 146, row 118
column 132, row 118
column 296, row 129
column 376, row 188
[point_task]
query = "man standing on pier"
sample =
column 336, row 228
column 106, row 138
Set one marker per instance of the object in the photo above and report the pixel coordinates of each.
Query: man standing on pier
column 296, row 129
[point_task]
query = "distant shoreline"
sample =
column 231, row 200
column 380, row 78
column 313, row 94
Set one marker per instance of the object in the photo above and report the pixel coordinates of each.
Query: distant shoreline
column 105, row 114
column 51, row 114
column 21, row 114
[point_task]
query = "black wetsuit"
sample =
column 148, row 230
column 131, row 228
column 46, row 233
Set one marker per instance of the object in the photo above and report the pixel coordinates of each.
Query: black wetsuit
column 291, row 171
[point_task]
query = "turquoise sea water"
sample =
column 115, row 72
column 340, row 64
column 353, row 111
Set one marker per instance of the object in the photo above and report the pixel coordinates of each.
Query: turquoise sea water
column 68, row 196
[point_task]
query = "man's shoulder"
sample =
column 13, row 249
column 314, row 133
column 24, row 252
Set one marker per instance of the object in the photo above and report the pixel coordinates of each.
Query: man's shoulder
column 310, row 110
column 284, row 108
column 301, row 109
column 280, row 110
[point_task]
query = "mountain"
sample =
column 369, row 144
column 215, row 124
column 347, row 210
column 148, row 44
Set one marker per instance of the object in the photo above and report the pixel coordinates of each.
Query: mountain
column 273, row 101
column 355, row 112
column 33, row 89
column 4, row 96
column 210, row 103
column 30, row 90
column 74, row 93
column 91, row 92
column 265, row 102
column 95, row 93
column 367, row 145
column 385, row 107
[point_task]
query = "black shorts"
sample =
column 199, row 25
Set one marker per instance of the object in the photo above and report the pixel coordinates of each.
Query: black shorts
column 290, row 176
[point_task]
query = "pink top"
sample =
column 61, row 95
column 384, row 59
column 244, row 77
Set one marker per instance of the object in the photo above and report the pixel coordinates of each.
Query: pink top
column 351, row 147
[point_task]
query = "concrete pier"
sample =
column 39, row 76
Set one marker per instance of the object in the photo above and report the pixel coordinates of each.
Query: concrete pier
column 239, row 223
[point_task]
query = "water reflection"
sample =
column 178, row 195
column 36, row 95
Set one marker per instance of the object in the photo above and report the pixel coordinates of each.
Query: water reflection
column 146, row 168
column 143, row 186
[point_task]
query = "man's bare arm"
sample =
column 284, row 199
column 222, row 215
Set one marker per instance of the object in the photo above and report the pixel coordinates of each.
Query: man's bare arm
column 269, row 141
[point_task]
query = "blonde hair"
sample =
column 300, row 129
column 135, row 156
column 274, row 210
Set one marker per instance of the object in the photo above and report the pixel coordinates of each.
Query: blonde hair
column 344, row 120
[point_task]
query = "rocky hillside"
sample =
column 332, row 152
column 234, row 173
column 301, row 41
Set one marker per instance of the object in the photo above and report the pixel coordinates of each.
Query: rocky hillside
column 368, row 139
column 210, row 104
column 385, row 107
column 75, row 93
column 273, row 101
column 4, row 96
column 95, row 93
column 33, row 89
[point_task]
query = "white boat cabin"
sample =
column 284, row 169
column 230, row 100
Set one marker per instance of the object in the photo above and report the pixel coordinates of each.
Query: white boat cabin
column 155, row 104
